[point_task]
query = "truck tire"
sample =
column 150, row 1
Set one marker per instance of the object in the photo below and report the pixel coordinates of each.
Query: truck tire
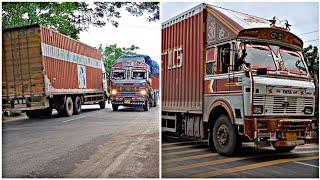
column 146, row 106
column 283, row 149
column 77, row 105
column 225, row 136
column 102, row 104
column 68, row 107
column 114, row 107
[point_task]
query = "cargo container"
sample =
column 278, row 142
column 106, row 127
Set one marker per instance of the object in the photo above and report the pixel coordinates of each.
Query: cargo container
column 232, row 78
column 134, row 82
column 45, row 70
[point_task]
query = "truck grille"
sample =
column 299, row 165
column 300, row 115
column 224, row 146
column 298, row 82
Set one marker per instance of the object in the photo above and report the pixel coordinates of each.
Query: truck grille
column 283, row 105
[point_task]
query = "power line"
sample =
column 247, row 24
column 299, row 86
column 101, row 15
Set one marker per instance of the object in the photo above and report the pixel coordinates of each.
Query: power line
column 309, row 32
column 312, row 40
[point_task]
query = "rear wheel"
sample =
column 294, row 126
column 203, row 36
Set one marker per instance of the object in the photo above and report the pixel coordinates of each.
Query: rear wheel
column 114, row 107
column 102, row 104
column 77, row 105
column 284, row 148
column 225, row 136
column 146, row 106
column 68, row 107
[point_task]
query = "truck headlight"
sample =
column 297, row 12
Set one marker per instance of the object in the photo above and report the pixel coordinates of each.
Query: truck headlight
column 113, row 91
column 257, row 109
column 308, row 110
column 143, row 92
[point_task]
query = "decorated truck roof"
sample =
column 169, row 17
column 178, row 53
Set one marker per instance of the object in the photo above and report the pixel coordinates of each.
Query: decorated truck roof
column 224, row 24
column 141, row 58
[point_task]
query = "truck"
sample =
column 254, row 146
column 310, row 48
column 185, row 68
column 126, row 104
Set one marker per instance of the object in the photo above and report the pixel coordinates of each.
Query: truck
column 44, row 70
column 134, row 81
column 233, row 78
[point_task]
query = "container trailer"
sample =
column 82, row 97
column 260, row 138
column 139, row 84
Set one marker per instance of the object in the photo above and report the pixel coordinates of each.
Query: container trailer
column 43, row 70
column 233, row 78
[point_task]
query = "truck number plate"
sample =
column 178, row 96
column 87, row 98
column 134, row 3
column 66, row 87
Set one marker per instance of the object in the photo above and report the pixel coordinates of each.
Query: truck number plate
column 291, row 136
column 127, row 101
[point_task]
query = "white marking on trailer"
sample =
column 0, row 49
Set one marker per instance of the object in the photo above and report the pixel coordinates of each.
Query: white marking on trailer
column 73, row 119
column 306, row 164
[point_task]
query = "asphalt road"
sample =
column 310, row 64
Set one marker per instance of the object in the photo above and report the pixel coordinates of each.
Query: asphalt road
column 95, row 144
column 184, row 157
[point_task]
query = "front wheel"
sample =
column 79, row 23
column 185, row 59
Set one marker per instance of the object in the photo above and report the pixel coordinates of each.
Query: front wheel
column 146, row 106
column 102, row 104
column 283, row 149
column 225, row 136
column 114, row 107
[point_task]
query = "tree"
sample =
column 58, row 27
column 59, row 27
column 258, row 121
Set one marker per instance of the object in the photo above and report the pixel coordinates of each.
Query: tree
column 70, row 18
column 311, row 56
column 112, row 52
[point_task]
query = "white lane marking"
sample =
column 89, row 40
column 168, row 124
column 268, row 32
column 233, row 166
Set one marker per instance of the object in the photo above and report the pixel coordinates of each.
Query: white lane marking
column 307, row 164
column 73, row 119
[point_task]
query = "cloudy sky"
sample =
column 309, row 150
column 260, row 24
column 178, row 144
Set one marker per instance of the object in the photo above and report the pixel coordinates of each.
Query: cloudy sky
column 131, row 30
column 303, row 16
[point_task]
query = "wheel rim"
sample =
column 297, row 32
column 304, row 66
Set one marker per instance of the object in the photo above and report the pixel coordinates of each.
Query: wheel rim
column 222, row 135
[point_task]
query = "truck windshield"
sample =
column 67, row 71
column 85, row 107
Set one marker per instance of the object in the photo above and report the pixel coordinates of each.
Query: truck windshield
column 293, row 62
column 139, row 75
column 259, row 56
column 118, row 74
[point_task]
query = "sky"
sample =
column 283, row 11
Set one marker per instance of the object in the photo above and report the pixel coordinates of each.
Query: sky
column 131, row 31
column 303, row 16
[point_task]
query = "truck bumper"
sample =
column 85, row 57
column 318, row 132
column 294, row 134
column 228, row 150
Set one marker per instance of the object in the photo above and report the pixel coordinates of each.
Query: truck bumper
column 128, row 101
column 277, row 132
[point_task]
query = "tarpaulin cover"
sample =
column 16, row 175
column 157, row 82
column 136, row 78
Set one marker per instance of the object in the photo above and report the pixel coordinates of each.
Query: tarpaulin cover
column 142, row 58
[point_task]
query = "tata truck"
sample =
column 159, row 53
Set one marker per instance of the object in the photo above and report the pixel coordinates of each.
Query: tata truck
column 44, row 70
column 232, row 78
column 134, row 82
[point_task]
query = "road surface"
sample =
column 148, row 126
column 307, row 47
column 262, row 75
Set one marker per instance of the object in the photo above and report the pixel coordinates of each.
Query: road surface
column 95, row 144
column 183, row 157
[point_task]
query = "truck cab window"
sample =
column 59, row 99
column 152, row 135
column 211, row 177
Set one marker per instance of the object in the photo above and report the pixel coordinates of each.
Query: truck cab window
column 118, row 75
column 139, row 75
column 224, row 58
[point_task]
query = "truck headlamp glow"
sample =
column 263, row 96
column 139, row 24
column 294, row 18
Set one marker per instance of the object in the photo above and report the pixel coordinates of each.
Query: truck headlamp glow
column 113, row 92
column 257, row 109
column 308, row 110
column 143, row 92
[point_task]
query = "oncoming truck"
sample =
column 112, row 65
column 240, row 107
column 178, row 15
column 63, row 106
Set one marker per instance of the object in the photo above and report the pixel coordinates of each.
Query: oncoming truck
column 134, row 81
column 44, row 70
column 233, row 78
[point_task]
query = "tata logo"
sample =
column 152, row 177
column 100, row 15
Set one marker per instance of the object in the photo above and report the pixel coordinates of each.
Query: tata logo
column 285, row 104
column 287, row 91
